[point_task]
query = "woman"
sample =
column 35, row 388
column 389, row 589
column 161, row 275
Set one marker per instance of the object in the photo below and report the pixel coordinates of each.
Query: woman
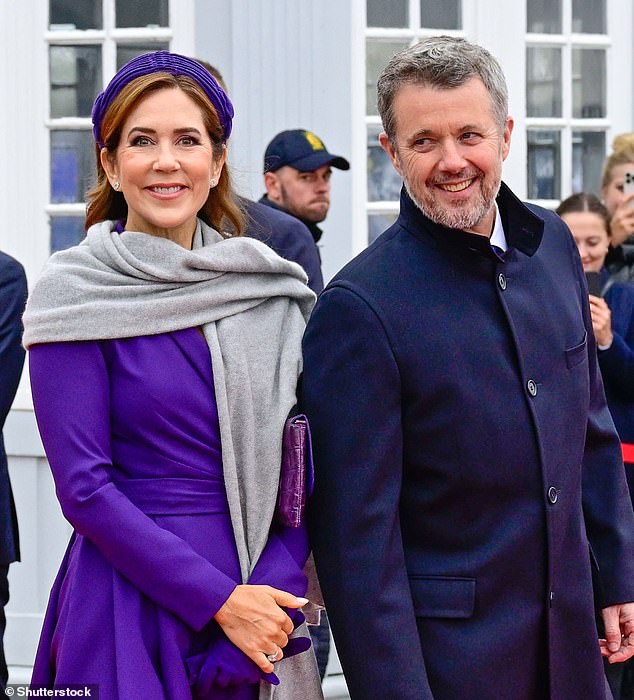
column 164, row 358
column 612, row 315
column 620, row 207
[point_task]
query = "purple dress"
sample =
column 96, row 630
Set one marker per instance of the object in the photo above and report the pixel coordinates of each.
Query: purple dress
column 131, row 431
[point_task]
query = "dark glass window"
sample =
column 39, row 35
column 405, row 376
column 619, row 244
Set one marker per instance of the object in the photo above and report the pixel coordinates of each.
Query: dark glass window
column 75, row 14
column 387, row 14
column 149, row 13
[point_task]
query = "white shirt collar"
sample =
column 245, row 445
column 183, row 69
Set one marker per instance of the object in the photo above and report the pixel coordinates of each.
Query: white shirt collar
column 498, row 237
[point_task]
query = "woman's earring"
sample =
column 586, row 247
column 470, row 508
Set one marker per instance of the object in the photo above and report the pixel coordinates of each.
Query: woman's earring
column 116, row 185
column 213, row 182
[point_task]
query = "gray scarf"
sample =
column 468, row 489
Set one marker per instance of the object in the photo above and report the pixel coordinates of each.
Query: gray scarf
column 252, row 306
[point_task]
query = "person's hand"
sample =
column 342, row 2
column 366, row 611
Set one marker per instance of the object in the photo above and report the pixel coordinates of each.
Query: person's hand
column 618, row 620
column 223, row 665
column 622, row 222
column 253, row 619
column 601, row 321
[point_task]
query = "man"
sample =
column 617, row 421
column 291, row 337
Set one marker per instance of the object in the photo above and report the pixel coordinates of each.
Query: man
column 12, row 300
column 465, row 458
column 297, row 172
column 284, row 233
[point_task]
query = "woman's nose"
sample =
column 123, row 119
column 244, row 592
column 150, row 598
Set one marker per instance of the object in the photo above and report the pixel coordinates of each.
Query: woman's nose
column 166, row 158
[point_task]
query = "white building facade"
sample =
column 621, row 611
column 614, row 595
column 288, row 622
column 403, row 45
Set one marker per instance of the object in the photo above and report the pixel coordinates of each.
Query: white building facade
column 288, row 64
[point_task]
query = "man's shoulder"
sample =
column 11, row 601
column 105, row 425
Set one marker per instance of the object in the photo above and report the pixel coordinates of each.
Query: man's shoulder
column 378, row 264
column 11, row 270
column 268, row 223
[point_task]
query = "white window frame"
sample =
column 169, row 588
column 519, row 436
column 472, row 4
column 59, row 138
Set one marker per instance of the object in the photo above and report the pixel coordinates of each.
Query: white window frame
column 567, row 41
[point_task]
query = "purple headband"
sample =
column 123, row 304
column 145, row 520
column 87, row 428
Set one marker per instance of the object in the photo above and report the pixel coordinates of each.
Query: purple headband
column 163, row 62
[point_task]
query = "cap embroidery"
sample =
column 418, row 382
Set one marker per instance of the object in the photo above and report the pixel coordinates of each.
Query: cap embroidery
column 315, row 143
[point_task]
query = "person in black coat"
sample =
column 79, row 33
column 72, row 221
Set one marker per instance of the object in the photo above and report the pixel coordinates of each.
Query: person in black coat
column 13, row 292
column 468, row 477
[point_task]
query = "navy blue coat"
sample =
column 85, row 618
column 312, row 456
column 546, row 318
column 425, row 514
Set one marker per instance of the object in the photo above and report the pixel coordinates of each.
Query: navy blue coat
column 617, row 363
column 288, row 237
column 467, row 468
column 13, row 294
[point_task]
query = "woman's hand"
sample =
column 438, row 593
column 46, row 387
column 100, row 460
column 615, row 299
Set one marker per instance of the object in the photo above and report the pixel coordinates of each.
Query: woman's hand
column 622, row 222
column 253, row 619
column 601, row 321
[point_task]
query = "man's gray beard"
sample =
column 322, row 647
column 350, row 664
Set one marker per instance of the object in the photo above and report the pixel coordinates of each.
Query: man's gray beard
column 467, row 219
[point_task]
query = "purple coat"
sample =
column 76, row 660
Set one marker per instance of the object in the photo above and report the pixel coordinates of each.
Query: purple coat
column 130, row 428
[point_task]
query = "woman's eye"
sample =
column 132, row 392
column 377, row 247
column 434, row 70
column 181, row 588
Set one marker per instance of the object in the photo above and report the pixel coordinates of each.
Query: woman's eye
column 188, row 141
column 141, row 141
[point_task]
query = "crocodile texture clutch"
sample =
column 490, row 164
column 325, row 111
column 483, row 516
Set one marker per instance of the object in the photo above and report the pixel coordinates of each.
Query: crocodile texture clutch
column 296, row 473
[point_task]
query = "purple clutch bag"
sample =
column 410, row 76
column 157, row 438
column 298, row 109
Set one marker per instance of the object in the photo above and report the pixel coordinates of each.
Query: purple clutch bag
column 296, row 473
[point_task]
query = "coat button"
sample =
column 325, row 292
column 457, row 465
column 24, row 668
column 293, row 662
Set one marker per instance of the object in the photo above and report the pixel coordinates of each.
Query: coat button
column 531, row 387
column 502, row 281
column 553, row 495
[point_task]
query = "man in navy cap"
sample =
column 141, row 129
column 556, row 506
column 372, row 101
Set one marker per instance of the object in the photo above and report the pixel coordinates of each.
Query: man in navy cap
column 297, row 171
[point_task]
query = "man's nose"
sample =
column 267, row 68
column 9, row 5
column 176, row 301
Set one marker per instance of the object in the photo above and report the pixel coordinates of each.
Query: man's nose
column 452, row 159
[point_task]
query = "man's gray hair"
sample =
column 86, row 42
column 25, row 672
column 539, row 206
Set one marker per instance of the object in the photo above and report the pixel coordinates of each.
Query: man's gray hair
column 441, row 62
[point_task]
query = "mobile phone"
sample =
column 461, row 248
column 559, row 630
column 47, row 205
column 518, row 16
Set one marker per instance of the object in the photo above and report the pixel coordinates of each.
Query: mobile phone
column 594, row 283
column 628, row 184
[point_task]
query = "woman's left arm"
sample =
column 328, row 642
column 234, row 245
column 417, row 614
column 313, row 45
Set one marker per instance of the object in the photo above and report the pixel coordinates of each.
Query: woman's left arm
column 617, row 361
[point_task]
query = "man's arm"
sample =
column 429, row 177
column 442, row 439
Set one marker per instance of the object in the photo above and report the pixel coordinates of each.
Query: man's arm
column 351, row 392
column 13, row 293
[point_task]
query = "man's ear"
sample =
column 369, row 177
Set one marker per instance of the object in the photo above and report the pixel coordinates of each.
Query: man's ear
column 108, row 165
column 272, row 185
column 387, row 146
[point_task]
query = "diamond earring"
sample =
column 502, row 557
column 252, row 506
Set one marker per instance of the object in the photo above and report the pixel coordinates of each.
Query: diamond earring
column 116, row 185
column 213, row 182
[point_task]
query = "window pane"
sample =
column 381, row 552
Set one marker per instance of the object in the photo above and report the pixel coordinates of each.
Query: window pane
column 377, row 223
column 588, row 83
column 66, row 231
column 543, row 82
column 387, row 14
column 72, row 165
column 379, row 52
column 441, row 15
column 149, row 13
column 544, row 149
column 75, row 75
column 384, row 183
column 588, row 153
column 126, row 52
column 543, row 16
column 588, row 16
column 70, row 14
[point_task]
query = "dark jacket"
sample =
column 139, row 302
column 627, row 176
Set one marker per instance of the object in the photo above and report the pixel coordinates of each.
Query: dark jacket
column 13, row 294
column 465, row 460
column 617, row 362
column 287, row 235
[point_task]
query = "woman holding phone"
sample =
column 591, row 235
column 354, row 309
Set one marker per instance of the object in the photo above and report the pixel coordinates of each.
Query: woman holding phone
column 612, row 309
column 618, row 196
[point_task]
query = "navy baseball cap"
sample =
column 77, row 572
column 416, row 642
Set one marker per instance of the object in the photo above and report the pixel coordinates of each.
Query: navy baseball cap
column 301, row 150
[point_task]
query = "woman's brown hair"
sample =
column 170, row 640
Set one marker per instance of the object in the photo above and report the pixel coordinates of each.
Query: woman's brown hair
column 221, row 210
column 585, row 202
